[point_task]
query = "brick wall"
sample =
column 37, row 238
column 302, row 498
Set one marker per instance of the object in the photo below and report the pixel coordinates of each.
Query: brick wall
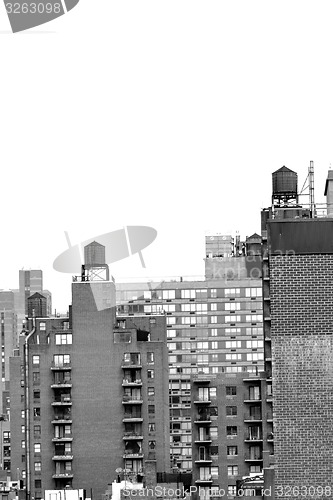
column 302, row 355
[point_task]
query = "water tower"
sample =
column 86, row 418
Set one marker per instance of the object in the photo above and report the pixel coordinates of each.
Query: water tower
column 284, row 188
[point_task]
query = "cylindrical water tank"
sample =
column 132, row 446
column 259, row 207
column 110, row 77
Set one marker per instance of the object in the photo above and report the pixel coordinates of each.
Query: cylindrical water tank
column 284, row 182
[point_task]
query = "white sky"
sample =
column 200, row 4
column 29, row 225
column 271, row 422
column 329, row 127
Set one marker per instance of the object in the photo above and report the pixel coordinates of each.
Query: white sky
column 171, row 114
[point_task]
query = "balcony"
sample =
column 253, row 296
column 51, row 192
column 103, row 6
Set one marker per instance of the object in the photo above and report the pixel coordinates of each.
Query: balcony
column 253, row 418
column 269, row 417
column 66, row 456
column 202, row 401
column 63, row 400
column 251, row 438
column 132, row 435
column 61, row 366
column 253, row 400
column 203, row 461
column 63, row 439
column 132, row 417
column 132, row 400
column 63, row 475
column 132, row 454
column 204, row 480
column 62, row 419
column 203, row 440
column 133, row 383
column 270, row 437
column 202, row 420
column 61, row 385
column 134, row 362
column 253, row 457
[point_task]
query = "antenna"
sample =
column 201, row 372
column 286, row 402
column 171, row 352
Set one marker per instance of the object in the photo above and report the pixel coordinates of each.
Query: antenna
column 311, row 189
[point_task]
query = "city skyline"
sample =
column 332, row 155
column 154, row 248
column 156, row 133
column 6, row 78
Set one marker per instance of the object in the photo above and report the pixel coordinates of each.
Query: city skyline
column 162, row 258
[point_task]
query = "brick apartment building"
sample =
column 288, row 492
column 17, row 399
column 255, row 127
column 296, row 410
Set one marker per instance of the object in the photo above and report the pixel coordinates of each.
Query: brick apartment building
column 213, row 326
column 232, row 433
column 298, row 319
column 89, row 393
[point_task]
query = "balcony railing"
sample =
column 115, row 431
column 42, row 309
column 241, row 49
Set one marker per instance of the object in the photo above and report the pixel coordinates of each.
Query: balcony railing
column 127, row 381
column 199, row 400
column 131, row 363
column 132, row 399
column 62, row 475
column 133, row 435
column 62, row 456
column 257, row 417
column 199, row 419
column 63, row 400
column 60, row 366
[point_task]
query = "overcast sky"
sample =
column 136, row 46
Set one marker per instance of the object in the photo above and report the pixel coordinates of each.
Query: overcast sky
column 171, row 114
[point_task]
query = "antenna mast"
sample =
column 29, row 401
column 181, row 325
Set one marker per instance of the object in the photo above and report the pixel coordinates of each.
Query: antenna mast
column 311, row 190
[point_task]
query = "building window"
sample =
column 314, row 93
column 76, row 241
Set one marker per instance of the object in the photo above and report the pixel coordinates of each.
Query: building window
column 232, row 292
column 150, row 358
column 212, row 392
column 168, row 294
column 213, row 293
column 213, row 432
column 232, row 491
column 232, row 450
column 232, row 319
column 231, row 411
column 151, row 409
column 152, row 445
column 151, row 391
column 23, row 429
column 232, row 306
column 38, row 466
column 232, row 470
column 35, row 378
column 213, row 332
column 6, row 436
column 253, row 292
column 36, row 413
column 214, row 472
column 37, row 448
column 213, row 307
column 63, row 338
column 22, row 444
column 42, row 326
column 151, row 427
column 61, row 359
column 150, row 374
column 35, row 360
column 255, row 356
column 22, row 413
column 36, row 394
column 38, row 484
column 37, row 431
column 233, row 344
column 231, row 430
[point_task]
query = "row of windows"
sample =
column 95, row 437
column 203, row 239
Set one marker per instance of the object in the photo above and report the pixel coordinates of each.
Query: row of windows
column 201, row 293
column 201, row 308
column 201, row 320
column 206, row 358
column 214, row 332
column 229, row 344
column 214, row 369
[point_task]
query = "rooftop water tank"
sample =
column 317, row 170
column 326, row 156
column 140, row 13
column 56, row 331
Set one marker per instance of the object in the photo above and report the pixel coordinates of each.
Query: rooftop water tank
column 284, row 183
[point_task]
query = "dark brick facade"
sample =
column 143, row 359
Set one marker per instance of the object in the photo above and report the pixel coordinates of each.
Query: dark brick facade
column 301, row 296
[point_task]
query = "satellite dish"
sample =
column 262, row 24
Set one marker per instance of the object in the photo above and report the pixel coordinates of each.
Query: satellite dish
column 119, row 470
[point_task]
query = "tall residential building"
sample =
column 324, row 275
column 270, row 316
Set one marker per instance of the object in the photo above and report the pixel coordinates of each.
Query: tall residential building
column 232, row 434
column 89, row 394
column 298, row 295
column 213, row 326
column 8, row 332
